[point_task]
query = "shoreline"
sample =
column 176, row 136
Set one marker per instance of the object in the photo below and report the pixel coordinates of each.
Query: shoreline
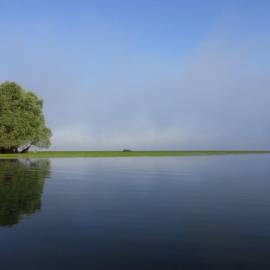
column 156, row 153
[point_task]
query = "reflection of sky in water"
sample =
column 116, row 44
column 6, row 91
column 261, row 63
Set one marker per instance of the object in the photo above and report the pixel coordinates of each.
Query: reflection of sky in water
column 138, row 213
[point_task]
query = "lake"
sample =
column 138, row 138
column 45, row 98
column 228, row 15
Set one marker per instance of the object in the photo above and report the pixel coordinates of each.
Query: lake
column 204, row 212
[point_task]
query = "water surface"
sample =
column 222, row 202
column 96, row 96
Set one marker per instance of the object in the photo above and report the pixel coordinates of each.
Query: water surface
column 136, row 213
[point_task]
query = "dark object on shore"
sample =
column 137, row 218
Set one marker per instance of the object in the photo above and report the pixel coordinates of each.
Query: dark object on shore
column 126, row 150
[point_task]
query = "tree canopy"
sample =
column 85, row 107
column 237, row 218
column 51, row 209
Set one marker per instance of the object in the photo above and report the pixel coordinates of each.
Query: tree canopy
column 22, row 122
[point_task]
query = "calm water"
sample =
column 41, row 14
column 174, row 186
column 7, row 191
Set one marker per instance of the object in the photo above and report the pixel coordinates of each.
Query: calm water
column 136, row 213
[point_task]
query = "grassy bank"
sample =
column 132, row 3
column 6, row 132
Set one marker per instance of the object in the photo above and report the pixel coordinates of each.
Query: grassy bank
column 74, row 154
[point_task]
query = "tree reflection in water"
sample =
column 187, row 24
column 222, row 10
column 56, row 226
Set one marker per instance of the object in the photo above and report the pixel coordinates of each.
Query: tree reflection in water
column 21, row 187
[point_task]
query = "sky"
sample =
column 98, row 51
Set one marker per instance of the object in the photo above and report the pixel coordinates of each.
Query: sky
column 143, row 74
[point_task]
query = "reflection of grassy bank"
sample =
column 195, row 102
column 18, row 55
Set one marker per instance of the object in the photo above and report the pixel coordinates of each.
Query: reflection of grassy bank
column 74, row 154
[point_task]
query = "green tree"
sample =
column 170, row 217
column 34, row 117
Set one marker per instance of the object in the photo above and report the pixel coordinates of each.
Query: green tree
column 22, row 123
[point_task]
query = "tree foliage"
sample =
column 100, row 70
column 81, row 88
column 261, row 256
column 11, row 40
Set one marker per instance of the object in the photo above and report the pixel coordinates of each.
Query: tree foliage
column 22, row 123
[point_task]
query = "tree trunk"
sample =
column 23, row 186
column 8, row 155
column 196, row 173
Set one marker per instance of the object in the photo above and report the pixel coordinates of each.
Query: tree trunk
column 26, row 149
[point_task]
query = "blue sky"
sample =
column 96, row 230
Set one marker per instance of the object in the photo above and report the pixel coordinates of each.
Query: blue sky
column 143, row 74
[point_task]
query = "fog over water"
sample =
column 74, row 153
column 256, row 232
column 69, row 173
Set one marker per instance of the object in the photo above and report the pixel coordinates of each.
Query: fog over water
column 165, row 76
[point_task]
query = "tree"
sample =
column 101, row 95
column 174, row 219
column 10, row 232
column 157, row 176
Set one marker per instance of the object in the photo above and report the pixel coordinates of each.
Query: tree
column 22, row 123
